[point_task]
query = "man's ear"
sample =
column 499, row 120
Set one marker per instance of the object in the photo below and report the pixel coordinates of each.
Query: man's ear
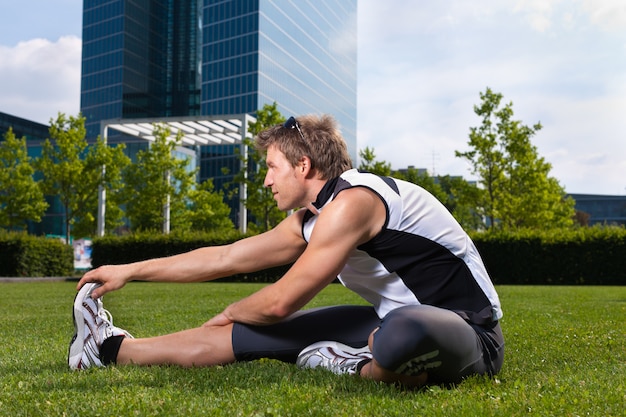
column 304, row 165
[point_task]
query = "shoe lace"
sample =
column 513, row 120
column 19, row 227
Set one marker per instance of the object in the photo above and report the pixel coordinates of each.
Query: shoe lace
column 107, row 319
column 104, row 314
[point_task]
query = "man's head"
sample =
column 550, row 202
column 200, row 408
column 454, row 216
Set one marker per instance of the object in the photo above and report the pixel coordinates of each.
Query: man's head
column 317, row 138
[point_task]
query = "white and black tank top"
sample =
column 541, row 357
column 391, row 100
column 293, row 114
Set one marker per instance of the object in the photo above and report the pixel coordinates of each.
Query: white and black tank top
column 421, row 256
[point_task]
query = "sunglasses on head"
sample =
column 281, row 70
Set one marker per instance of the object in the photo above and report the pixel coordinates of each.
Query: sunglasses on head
column 292, row 123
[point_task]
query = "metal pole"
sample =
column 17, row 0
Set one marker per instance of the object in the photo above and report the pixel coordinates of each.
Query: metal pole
column 102, row 194
column 243, row 187
column 166, row 206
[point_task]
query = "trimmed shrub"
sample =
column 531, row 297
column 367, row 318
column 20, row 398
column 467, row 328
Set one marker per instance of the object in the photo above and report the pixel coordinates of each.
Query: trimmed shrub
column 23, row 255
column 113, row 250
column 594, row 256
column 591, row 256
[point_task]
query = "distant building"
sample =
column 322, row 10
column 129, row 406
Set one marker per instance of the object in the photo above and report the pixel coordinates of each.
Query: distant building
column 420, row 171
column 602, row 209
column 153, row 59
column 150, row 59
column 35, row 134
column 33, row 131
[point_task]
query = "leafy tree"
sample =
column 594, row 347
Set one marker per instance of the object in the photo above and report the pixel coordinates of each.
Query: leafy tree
column 260, row 200
column 370, row 164
column 61, row 164
column 208, row 211
column 115, row 161
column 156, row 180
column 517, row 189
column 72, row 170
column 21, row 198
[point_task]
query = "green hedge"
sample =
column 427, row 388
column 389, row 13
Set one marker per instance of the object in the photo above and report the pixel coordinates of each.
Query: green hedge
column 23, row 255
column 594, row 256
column 139, row 247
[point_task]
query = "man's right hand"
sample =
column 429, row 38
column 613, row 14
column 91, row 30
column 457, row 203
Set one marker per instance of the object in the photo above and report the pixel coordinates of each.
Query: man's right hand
column 112, row 277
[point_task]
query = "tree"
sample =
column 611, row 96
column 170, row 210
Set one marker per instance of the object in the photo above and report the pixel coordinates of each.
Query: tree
column 21, row 198
column 517, row 189
column 260, row 200
column 62, row 166
column 72, row 170
column 370, row 164
column 157, row 184
column 115, row 161
column 208, row 211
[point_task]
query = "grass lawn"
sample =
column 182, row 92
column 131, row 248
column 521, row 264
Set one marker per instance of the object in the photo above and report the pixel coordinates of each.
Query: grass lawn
column 566, row 356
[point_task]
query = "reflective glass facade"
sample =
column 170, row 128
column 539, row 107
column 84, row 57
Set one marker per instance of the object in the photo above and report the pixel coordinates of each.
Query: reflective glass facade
column 300, row 54
column 164, row 58
column 140, row 58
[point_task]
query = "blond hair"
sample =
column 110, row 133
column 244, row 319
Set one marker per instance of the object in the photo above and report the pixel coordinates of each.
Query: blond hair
column 318, row 138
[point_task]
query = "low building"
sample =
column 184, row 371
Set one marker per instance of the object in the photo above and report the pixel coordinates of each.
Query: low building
column 601, row 209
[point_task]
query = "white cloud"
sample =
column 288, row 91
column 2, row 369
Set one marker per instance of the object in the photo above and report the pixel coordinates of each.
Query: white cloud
column 609, row 15
column 538, row 13
column 423, row 64
column 39, row 78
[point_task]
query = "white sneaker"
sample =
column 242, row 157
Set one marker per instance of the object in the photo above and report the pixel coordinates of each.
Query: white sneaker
column 92, row 325
column 336, row 357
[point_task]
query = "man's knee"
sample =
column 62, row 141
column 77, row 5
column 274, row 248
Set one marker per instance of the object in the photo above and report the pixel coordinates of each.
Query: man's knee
column 414, row 340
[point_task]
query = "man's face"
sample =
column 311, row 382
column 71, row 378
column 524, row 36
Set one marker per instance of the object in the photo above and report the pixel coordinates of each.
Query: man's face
column 285, row 181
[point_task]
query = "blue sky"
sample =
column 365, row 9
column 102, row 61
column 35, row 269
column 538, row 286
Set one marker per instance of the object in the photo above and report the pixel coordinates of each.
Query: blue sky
column 422, row 66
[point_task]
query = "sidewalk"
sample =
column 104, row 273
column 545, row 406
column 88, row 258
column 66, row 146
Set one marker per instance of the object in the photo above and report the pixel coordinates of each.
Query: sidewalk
column 36, row 279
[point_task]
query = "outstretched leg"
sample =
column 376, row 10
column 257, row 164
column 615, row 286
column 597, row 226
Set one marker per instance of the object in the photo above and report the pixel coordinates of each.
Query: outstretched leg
column 97, row 342
column 201, row 346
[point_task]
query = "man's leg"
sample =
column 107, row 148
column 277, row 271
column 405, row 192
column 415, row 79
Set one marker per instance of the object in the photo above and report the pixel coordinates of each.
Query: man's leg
column 206, row 346
column 419, row 344
column 349, row 325
column 202, row 346
column 97, row 342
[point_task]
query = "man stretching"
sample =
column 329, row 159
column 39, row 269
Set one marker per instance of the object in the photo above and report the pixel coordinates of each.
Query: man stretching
column 434, row 311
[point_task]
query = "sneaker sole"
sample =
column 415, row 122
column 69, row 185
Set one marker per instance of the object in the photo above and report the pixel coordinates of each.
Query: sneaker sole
column 77, row 344
column 303, row 355
column 336, row 346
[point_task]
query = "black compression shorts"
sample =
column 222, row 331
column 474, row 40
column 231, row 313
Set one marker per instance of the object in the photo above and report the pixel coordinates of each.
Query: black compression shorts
column 409, row 340
column 350, row 325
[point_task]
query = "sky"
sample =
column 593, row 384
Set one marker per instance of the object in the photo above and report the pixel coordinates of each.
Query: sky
column 422, row 66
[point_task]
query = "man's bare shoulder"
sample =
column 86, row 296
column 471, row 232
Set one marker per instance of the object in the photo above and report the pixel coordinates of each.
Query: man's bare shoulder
column 358, row 198
column 356, row 211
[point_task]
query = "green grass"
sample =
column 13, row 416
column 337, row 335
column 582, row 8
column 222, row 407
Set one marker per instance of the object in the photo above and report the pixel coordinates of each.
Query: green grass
column 566, row 356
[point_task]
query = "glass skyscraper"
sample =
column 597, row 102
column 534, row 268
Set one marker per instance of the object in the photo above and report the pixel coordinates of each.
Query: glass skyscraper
column 300, row 54
column 168, row 58
column 140, row 59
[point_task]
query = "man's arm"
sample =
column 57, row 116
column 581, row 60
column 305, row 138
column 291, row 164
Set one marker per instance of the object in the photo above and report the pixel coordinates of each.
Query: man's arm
column 353, row 218
column 279, row 246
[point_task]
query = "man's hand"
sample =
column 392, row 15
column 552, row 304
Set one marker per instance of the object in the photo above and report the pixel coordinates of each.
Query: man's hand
column 112, row 277
column 219, row 320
